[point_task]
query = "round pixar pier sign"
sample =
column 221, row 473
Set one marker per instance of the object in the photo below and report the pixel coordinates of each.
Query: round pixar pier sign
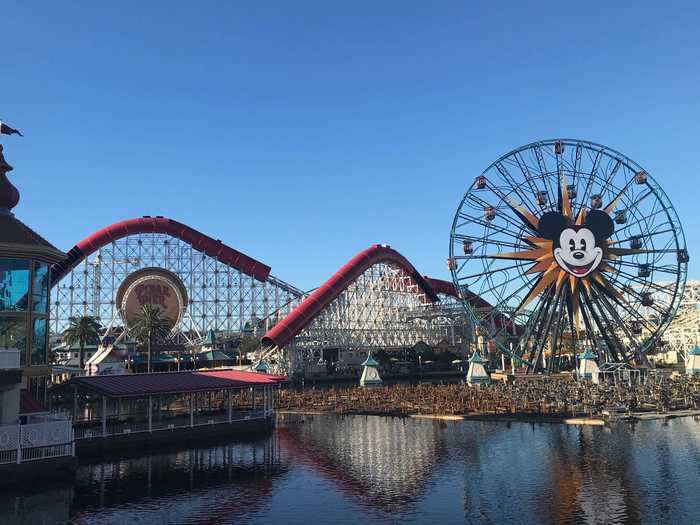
column 152, row 286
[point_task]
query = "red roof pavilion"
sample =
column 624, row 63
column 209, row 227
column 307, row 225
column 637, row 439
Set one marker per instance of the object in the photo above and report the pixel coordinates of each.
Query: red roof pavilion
column 140, row 385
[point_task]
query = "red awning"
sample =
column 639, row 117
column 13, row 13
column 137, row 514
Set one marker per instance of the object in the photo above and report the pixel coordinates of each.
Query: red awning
column 140, row 385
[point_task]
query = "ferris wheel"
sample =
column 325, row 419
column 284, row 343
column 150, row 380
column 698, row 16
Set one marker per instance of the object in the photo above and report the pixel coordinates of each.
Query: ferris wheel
column 559, row 245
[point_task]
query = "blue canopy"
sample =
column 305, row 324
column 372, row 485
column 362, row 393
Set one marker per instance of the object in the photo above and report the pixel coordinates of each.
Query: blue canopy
column 209, row 339
column 587, row 354
column 476, row 358
column 261, row 367
column 370, row 361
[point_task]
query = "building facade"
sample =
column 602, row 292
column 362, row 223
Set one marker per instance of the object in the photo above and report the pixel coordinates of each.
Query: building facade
column 25, row 259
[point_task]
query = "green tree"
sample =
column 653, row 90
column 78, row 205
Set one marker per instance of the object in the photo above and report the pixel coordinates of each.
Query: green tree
column 150, row 328
column 382, row 357
column 445, row 358
column 247, row 344
column 82, row 330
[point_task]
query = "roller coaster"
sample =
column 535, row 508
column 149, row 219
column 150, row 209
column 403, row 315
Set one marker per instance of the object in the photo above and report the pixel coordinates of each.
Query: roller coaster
column 378, row 300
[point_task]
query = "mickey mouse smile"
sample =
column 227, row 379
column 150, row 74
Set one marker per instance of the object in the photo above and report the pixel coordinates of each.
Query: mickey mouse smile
column 579, row 271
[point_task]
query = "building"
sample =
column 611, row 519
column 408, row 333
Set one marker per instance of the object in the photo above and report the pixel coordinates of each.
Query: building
column 692, row 365
column 588, row 368
column 133, row 410
column 477, row 375
column 370, row 372
column 25, row 259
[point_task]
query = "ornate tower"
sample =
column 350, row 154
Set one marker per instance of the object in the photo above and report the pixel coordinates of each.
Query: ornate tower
column 25, row 259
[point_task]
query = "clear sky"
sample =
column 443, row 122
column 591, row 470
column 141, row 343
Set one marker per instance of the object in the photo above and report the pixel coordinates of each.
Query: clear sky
column 302, row 132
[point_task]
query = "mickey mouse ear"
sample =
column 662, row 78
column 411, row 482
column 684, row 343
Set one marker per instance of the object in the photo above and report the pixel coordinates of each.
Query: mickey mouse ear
column 551, row 225
column 600, row 224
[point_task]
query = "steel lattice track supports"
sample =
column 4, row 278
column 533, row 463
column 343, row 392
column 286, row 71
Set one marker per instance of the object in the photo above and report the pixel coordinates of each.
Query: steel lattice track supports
column 221, row 297
column 683, row 334
column 382, row 309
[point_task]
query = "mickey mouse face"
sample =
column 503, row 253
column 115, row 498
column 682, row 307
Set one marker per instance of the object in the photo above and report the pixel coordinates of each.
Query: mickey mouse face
column 577, row 252
column 576, row 248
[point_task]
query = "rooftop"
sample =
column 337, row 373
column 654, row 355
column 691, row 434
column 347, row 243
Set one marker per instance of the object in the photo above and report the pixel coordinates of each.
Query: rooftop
column 16, row 238
column 587, row 354
column 140, row 385
column 370, row 361
column 476, row 358
column 261, row 367
column 214, row 355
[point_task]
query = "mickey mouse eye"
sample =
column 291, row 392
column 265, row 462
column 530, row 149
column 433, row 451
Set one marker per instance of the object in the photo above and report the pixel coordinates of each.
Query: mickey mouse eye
column 583, row 244
column 572, row 245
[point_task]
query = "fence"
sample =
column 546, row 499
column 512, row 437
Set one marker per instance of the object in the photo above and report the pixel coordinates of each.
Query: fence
column 35, row 441
column 93, row 429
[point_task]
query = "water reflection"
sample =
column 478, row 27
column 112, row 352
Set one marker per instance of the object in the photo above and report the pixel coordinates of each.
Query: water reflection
column 381, row 463
column 333, row 469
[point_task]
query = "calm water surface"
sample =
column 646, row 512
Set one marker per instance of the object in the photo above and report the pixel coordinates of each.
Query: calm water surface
column 357, row 469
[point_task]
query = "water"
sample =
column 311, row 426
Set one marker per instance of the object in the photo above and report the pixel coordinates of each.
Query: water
column 357, row 469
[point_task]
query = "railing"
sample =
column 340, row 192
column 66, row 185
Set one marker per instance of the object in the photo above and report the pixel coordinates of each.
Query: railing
column 93, row 428
column 35, row 441
column 9, row 359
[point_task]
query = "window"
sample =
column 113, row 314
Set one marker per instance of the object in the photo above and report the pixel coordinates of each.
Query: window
column 37, row 387
column 13, row 335
column 39, row 356
column 22, row 281
column 14, row 284
column 40, row 288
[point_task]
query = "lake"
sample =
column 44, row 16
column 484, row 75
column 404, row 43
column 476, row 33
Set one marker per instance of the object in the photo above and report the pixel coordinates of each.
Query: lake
column 368, row 469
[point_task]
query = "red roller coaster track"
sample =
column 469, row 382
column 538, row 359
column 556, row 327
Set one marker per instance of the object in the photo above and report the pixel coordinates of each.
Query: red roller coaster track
column 199, row 241
column 284, row 331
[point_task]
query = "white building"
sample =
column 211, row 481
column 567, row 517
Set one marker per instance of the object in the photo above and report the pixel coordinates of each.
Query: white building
column 370, row 372
column 692, row 365
column 588, row 368
column 477, row 375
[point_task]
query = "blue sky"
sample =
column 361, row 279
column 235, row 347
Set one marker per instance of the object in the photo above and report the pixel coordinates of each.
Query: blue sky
column 302, row 132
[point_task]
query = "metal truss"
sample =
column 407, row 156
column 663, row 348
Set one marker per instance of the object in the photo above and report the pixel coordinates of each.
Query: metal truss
column 221, row 298
column 683, row 334
column 382, row 309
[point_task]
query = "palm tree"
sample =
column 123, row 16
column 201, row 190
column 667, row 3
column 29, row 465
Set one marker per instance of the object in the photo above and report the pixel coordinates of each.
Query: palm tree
column 150, row 327
column 82, row 330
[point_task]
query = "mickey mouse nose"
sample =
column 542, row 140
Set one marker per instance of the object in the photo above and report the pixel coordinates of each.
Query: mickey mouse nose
column 578, row 255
